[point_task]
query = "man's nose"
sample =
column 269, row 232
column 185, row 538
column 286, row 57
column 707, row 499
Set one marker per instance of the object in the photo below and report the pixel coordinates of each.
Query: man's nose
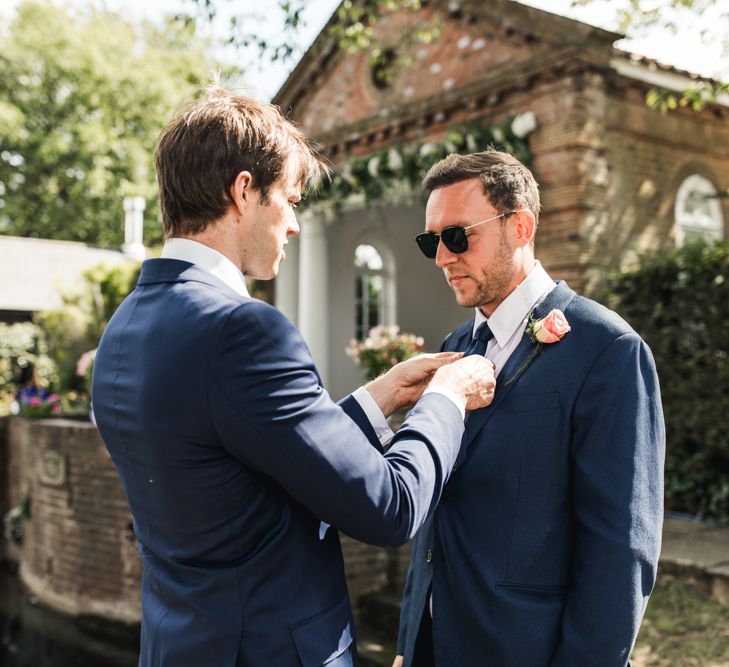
column 293, row 228
column 443, row 256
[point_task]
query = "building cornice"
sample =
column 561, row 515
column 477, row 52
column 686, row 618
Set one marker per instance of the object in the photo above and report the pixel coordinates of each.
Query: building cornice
column 473, row 97
column 657, row 75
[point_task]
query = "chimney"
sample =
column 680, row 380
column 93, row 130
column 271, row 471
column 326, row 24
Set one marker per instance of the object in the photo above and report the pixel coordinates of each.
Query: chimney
column 133, row 225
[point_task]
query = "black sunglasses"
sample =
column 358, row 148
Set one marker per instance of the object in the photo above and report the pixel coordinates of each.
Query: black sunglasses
column 454, row 238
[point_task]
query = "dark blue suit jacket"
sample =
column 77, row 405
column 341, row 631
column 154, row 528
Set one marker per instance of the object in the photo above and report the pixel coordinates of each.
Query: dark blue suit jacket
column 543, row 549
column 230, row 453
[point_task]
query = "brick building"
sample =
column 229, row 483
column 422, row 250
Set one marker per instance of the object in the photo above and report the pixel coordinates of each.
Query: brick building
column 616, row 177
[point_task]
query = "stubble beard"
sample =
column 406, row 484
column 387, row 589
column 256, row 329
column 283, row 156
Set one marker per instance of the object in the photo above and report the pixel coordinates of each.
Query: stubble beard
column 495, row 280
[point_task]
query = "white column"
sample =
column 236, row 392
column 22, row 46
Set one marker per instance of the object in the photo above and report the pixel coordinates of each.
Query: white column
column 314, row 290
column 286, row 285
column 133, row 227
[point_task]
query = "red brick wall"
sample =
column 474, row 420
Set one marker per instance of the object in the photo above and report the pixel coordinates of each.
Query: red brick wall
column 607, row 165
column 466, row 51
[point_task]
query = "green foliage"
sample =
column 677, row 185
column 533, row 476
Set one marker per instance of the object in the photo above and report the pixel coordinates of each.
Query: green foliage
column 23, row 350
column 684, row 626
column 697, row 96
column 47, row 351
column 15, row 520
column 401, row 168
column 83, row 96
column 680, row 305
column 77, row 327
column 352, row 28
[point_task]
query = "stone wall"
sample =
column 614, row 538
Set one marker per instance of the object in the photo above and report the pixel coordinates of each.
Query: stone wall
column 78, row 553
column 4, row 482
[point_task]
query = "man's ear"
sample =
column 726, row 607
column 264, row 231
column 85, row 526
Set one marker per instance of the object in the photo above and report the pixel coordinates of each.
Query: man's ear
column 525, row 226
column 240, row 190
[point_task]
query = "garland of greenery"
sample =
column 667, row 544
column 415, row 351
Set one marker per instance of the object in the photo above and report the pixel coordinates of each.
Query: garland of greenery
column 401, row 168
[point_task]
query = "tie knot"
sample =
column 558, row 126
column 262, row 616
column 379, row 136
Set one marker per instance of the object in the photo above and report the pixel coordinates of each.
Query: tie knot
column 483, row 333
column 479, row 341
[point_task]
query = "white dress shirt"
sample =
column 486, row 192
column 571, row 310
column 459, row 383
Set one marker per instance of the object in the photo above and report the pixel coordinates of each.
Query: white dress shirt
column 207, row 259
column 508, row 322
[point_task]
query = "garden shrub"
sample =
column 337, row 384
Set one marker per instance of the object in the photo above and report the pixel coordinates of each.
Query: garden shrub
column 47, row 350
column 679, row 303
column 23, row 351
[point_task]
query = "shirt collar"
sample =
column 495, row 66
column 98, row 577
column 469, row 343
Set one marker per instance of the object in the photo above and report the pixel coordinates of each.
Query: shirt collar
column 512, row 311
column 207, row 259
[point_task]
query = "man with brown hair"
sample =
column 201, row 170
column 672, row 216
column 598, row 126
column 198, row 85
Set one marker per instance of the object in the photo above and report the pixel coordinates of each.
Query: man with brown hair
column 543, row 549
column 231, row 453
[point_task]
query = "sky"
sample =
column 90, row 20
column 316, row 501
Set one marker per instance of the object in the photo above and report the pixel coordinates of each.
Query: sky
column 687, row 49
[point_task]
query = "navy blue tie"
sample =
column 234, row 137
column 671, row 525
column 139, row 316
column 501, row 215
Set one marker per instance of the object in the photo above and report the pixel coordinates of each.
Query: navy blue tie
column 479, row 341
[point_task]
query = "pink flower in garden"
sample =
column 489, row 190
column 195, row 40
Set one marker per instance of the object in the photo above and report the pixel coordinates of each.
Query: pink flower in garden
column 84, row 361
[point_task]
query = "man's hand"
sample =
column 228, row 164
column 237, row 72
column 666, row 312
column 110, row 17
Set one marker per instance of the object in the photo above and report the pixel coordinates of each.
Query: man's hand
column 471, row 378
column 405, row 383
column 398, row 661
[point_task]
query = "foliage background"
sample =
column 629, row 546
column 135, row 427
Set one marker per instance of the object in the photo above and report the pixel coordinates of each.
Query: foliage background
column 83, row 95
column 53, row 343
column 680, row 305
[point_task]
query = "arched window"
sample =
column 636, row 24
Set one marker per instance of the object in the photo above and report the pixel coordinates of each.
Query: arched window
column 373, row 292
column 698, row 210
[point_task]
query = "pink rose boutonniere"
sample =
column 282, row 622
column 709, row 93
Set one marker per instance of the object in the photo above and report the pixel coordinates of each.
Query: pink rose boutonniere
column 549, row 329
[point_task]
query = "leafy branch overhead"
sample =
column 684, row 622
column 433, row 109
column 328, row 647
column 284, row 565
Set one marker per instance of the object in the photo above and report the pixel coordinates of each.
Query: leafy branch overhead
column 353, row 30
column 83, row 94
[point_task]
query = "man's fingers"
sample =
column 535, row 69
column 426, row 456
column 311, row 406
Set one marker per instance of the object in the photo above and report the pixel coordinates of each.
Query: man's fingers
column 452, row 356
column 438, row 359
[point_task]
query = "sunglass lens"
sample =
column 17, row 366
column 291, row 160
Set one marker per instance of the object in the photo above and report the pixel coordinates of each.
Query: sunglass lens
column 428, row 244
column 454, row 238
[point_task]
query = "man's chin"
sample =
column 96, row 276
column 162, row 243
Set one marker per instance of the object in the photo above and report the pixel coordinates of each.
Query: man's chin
column 465, row 300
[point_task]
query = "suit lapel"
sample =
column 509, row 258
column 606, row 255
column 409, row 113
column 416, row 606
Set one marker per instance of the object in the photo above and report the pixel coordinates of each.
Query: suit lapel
column 526, row 352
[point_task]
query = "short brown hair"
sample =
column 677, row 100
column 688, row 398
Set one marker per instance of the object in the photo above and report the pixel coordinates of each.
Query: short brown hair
column 507, row 183
column 209, row 142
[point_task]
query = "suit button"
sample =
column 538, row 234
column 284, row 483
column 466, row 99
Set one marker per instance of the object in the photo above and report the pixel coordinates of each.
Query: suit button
column 428, row 556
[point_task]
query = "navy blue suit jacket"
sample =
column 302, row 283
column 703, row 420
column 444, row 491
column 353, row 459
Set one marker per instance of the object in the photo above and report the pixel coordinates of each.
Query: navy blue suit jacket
column 230, row 453
column 543, row 549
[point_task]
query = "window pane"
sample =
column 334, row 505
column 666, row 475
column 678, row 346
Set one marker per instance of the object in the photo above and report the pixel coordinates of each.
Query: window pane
column 698, row 210
column 374, row 289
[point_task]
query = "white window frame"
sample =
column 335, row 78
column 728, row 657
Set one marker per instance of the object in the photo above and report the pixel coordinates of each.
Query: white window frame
column 386, row 306
column 697, row 210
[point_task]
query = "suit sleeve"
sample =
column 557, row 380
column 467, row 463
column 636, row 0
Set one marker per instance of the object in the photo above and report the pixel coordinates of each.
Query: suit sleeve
column 405, row 626
column 350, row 405
column 618, row 450
column 272, row 414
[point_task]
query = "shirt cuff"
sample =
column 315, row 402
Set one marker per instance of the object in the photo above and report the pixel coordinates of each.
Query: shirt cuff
column 375, row 416
column 451, row 396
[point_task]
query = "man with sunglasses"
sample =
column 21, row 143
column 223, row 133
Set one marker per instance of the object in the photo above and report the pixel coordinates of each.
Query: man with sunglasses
column 543, row 549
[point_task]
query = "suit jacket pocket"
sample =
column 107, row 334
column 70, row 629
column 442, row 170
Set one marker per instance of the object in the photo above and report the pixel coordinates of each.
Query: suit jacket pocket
column 533, row 590
column 325, row 639
column 530, row 402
